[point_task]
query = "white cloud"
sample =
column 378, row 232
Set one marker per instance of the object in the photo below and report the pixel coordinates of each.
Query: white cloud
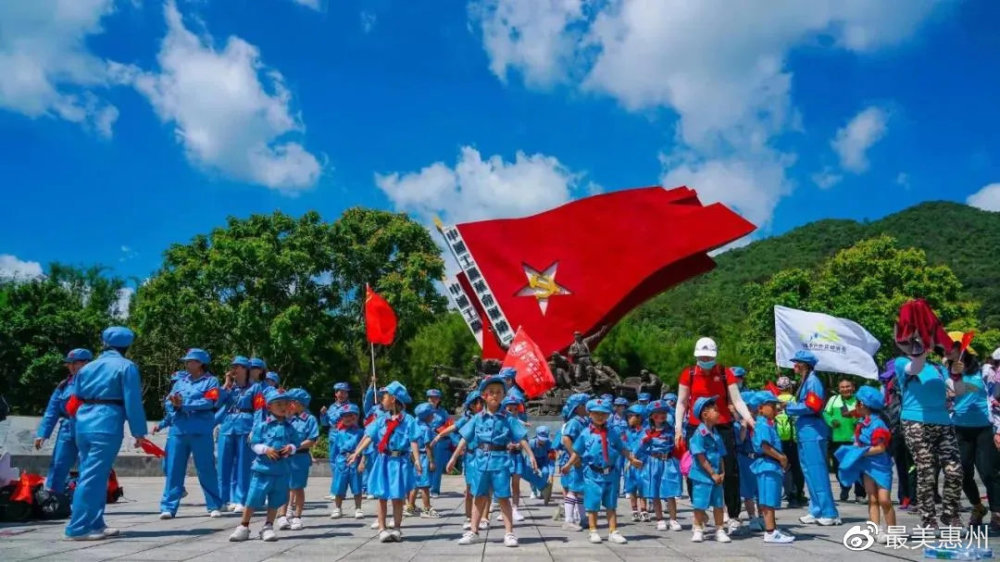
column 987, row 199
column 46, row 68
column 314, row 4
column 368, row 20
column 861, row 133
column 720, row 66
column 231, row 112
column 477, row 189
column 827, row 178
column 13, row 268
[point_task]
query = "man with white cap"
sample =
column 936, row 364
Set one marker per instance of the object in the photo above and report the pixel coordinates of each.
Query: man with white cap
column 708, row 379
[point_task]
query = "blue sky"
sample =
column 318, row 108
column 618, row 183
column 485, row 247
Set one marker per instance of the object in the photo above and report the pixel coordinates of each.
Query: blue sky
column 127, row 126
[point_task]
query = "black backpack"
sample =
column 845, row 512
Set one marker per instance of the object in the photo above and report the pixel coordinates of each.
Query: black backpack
column 52, row 505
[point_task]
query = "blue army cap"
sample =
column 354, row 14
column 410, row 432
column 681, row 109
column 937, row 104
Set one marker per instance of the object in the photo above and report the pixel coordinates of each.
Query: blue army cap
column 645, row 397
column 657, row 406
column 240, row 361
column 117, row 336
column 433, row 393
column 273, row 377
column 78, row 354
column 620, row 402
column 670, row 397
column 701, row 403
column 508, row 372
column 766, row 397
column 471, row 397
column 636, row 410
column 273, row 395
column 807, row 357
column 399, row 391
column 542, row 433
column 608, row 397
column 350, row 409
column 738, row 372
column 423, row 409
column 748, row 398
column 341, row 386
column 301, row 396
column 257, row 363
column 511, row 401
column 870, row 397
column 492, row 379
column 599, row 405
column 199, row 355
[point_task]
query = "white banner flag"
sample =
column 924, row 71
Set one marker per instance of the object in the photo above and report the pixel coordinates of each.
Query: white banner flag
column 842, row 346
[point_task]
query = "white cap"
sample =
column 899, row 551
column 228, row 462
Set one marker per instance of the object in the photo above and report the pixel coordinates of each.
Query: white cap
column 996, row 354
column 706, row 348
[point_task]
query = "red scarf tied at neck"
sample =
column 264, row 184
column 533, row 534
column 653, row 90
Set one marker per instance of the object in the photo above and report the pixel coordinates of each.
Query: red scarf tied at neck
column 390, row 427
column 601, row 430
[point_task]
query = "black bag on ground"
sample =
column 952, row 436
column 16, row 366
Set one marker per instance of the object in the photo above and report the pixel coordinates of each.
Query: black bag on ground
column 52, row 505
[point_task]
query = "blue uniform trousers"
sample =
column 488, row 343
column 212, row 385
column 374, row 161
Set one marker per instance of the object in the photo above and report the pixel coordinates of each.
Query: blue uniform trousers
column 97, row 455
column 64, row 456
column 235, row 458
column 179, row 449
column 812, row 456
column 442, row 454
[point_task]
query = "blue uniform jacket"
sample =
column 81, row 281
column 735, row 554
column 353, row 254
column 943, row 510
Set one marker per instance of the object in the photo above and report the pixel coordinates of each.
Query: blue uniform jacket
column 808, row 410
column 486, row 431
column 332, row 415
column 405, row 433
column 196, row 414
column 571, row 429
column 55, row 411
column 237, row 409
column 343, row 442
column 540, row 450
column 649, row 442
column 591, row 451
column 765, row 432
column 274, row 433
column 109, row 377
column 709, row 443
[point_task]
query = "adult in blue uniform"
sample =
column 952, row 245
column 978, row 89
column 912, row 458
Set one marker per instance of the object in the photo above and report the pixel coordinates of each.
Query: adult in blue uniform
column 193, row 397
column 109, row 393
column 64, row 453
column 813, row 434
column 236, row 402
column 440, row 419
column 257, row 369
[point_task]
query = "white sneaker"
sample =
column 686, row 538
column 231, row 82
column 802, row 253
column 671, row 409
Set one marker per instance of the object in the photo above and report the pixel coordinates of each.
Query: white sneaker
column 336, row 513
column 675, row 525
column 110, row 532
column 467, row 525
column 828, row 521
column 329, row 497
column 267, row 534
column 237, row 508
column 807, row 519
column 500, row 517
column 390, row 523
column 397, row 535
column 757, row 524
column 435, row 496
column 509, row 540
column 484, row 524
column 777, row 537
column 733, row 526
column 533, row 495
column 240, row 534
column 697, row 535
column 469, row 538
column 375, row 524
column 635, row 516
column 595, row 538
column 282, row 523
column 721, row 536
column 369, row 497
column 517, row 515
column 226, row 507
column 296, row 524
column 644, row 516
column 359, row 513
column 882, row 537
column 570, row 526
column 617, row 538
column 166, row 515
column 661, row 525
column 88, row 537
column 385, row 536
column 215, row 514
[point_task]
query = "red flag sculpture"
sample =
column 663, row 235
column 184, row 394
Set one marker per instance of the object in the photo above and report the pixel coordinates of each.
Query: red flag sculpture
column 380, row 320
column 584, row 264
column 533, row 373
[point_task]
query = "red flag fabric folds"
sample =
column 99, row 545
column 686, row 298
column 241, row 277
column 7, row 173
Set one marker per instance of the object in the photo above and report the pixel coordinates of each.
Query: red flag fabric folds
column 533, row 373
column 151, row 448
column 380, row 320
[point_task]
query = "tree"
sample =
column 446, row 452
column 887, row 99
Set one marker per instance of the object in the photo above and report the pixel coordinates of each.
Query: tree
column 42, row 319
column 866, row 283
column 445, row 342
column 288, row 290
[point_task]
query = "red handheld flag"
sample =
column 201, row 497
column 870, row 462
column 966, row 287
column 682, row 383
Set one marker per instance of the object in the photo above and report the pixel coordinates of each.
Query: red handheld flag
column 967, row 340
column 533, row 373
column 151, row 448
column 380, row 320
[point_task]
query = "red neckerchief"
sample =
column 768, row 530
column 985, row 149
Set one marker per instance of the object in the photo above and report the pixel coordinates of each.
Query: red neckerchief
column 603, row 432
column 652, row 433
column 863, row 423
column 390, row 427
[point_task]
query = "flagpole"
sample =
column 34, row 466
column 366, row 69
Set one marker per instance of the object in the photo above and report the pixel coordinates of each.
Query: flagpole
column 374, row 388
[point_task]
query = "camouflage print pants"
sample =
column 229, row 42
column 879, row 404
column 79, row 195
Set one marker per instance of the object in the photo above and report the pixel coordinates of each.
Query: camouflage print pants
column 935, row 446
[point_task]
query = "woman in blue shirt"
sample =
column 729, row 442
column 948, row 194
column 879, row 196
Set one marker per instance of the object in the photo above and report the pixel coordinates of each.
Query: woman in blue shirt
column 971, row 416
column 65, row 452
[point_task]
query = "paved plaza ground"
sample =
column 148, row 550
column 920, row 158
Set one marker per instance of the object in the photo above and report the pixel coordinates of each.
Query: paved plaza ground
column 193, row 536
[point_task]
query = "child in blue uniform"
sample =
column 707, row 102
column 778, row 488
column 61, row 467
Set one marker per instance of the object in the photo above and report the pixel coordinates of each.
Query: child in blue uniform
column 514, row 407
column 597, row 449
column 274, row 440
column 473, row 405
column 345, row 434
column 572, row 481
column 424, row 414
column 868, row 457
column 662, row 472
column 396, row 461
column 64, row 453
column 634, row 477
column 744, row 459
column 308, row 429
column 707, row 471
column 541, row 449
column 769, row 465
column 328, row 417
column 489, row 433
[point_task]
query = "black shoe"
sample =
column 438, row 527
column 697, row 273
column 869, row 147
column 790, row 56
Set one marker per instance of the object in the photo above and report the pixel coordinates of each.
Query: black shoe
column 843, row 496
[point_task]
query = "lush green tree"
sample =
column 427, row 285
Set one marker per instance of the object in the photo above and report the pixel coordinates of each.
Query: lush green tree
column 866, row 283
column 446, row 342
column 41, row 319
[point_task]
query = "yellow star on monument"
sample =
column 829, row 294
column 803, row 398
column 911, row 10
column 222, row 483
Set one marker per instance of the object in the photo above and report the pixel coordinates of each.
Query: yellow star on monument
column 542, row 285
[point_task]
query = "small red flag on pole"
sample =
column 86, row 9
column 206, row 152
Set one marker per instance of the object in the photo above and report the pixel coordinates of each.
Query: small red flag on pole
column 533, row 373
column 380, row 320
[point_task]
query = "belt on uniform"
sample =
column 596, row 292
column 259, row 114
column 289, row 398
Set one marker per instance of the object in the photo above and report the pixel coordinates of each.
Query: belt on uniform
column 661, row 456
column 103, row 401
column 394, row 453
column 243, row 410
column 602, row 469
column 306, row 452
column 491, row 447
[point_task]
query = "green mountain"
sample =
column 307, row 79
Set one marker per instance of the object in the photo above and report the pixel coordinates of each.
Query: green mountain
column 965, row 238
